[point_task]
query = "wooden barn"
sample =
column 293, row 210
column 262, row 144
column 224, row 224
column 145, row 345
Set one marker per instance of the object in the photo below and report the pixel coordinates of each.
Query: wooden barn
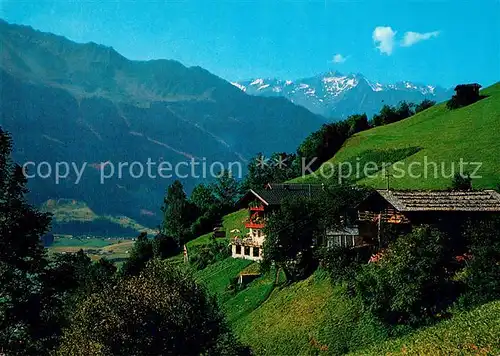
column 422, row 207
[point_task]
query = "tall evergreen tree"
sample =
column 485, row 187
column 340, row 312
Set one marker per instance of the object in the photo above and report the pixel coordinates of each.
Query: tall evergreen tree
column 22, row 316
column 278, row 168
column 203, row 198
column 227, row 190
column 177, row 213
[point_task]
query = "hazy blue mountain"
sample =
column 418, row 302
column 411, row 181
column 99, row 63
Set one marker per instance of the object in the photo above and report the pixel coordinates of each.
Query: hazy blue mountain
column 335, row 95
column 64, row 101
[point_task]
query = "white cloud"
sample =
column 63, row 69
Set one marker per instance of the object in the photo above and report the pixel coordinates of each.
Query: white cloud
column 384, row 39
column 338, row 58
column 410, row 38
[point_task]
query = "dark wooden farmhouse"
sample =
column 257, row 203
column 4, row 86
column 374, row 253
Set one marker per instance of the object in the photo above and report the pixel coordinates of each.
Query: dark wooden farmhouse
column 422, row 207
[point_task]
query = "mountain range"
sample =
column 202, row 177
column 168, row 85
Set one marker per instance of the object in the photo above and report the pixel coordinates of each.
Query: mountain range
column 85, row 103
column 336, row 96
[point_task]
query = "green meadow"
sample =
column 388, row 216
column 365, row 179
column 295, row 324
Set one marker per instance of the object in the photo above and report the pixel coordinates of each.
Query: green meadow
column 438, row 135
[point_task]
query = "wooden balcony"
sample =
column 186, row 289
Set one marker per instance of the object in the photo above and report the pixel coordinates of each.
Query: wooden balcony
column 391, row 217
column 254, row 225
column 246, row 241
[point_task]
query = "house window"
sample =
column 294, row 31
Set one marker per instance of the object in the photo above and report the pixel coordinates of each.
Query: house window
column 247, row 251
column 256, row 252
column 238, row 249
column 341, row 240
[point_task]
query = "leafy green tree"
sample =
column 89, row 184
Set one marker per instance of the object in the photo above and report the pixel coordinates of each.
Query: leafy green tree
column 67, row 279
column 310, row 149
column 342, row 263
column 482, row 269
column 424, row 105
column 164, row 246
column 24, row 312
column 405, row 110
column 461, row 182
column 390, row 114
column 210, row 253
column 278, row 168
column 205, row 223
column 412, row 281
column 290, row 238
column 161, row 311
column 322, row 145
column 227, row 190
column 284, row 166
column 387, row 115
column 203, row 197
column 357, row 123
column 178, row 213
column 141, row 253
column 208, row 209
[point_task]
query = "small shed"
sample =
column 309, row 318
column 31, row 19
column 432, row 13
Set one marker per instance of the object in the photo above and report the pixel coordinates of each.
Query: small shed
column 219, row 232
column 468, row 89
column 465, row 94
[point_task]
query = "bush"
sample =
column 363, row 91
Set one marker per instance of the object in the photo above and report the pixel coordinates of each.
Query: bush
column 165, row 246
column 141, row 253
column 425, row 104
column 342, row 263
column 204, row 223
column 482, row 272
column 390, row 114
column 461, row 182
column 160, row 311
column 290, row 238
column 412, row 281
column 213, row 252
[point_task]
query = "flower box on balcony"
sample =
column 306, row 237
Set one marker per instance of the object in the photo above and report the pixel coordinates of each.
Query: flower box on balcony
column 253, row 225
column 257, row 208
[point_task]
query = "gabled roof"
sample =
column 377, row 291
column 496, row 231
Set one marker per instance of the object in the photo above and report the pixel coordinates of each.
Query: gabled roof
column 472, row 85
column 275, row 194
column 485, row 200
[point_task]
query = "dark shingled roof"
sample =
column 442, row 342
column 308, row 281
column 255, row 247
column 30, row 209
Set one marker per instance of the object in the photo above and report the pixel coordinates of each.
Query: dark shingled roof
column 485, row 200
column 463, row 86
column 274, row 194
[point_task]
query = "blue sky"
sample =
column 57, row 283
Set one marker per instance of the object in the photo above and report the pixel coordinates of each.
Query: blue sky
column 434, row 42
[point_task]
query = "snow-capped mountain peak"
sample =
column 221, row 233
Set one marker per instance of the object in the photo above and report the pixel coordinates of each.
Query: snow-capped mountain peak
column 338, row 95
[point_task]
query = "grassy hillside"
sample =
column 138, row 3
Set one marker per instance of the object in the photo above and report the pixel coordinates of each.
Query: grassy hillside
column 232, row 222
column 471, row 333
column 315, row 317
column 434, row 135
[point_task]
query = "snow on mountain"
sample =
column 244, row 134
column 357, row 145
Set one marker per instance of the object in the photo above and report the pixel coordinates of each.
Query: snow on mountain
column 239, row 86
column 336, row 95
